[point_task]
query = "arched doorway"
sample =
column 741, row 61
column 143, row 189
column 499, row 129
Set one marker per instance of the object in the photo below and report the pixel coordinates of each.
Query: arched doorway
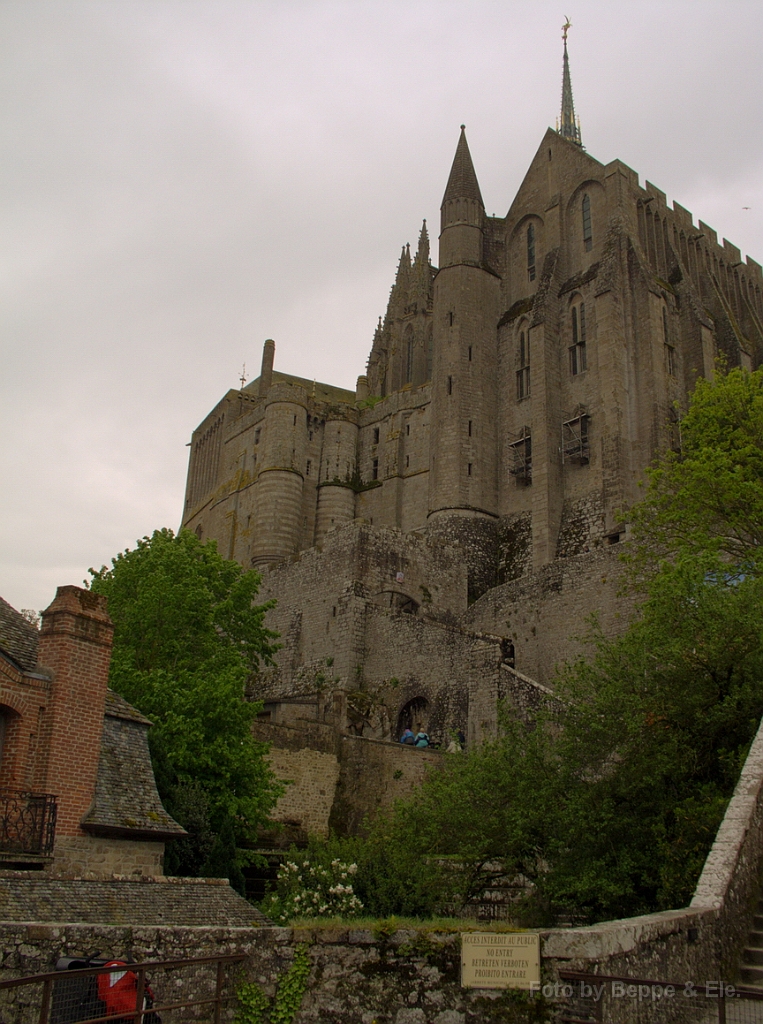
column 412, row 715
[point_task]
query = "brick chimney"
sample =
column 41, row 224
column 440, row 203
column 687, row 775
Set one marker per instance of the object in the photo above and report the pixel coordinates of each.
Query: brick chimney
column 75, row 647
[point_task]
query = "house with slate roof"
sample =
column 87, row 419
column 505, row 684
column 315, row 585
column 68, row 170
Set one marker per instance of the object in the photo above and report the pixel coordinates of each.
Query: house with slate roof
column 77, row 790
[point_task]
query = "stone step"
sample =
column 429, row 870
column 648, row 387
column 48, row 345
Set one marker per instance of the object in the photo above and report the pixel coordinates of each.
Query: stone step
column 751, row 955
column 753, row 976
column 755, row 938
column 757, row 922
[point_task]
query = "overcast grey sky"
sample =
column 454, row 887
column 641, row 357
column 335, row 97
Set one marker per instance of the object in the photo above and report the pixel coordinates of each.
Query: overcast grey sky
column 181, row 180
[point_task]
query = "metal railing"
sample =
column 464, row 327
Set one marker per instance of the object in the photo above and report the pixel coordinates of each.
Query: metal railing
column 27, row 822
column 583, row 998
column 173, row 991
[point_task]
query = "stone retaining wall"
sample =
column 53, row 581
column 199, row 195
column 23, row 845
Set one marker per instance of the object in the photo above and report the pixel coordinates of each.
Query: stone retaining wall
column 413, row 977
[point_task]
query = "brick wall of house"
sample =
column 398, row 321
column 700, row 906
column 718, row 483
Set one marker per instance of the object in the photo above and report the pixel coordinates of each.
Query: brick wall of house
column 75, row 646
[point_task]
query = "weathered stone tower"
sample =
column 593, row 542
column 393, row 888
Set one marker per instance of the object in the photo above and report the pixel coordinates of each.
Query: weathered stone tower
column 451, row 523
column 464, row 445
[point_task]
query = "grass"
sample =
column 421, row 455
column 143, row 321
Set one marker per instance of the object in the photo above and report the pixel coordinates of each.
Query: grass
column 388, row 925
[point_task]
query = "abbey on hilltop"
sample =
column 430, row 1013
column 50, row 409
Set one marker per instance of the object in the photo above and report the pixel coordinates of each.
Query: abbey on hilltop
column 450, row 524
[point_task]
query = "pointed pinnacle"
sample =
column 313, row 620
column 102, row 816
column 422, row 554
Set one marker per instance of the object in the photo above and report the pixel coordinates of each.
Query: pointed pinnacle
column 422, row 253
column 462, row 183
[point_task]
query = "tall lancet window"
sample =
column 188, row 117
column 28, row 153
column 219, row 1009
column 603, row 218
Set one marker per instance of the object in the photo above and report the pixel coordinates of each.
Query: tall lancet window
column 523, row 373
column 670, row 352
column 578, row 347
column 531, row 252
column 409, row 354
column 587, row 230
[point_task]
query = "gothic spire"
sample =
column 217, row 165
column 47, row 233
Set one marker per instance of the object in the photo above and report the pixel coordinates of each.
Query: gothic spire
column 404, row 265
column 422, row 253
column 462, row 183
column 568, row 127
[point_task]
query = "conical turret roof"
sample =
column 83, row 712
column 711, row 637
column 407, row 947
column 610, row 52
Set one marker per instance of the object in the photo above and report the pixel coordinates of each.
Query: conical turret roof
column 462, row 183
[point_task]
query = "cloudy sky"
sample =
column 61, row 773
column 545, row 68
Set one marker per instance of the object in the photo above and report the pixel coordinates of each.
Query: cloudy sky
column 181, row 180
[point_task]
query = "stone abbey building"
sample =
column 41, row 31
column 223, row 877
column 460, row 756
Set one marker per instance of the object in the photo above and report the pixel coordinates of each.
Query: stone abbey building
column 436, row 538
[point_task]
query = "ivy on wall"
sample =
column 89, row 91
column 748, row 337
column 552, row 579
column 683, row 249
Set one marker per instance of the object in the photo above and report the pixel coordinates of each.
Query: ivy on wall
column 254, row 1007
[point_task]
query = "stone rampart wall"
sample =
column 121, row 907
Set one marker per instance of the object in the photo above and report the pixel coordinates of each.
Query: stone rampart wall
column 446, row 666
column 375, row 773
column 311, row 778
column 546, row 613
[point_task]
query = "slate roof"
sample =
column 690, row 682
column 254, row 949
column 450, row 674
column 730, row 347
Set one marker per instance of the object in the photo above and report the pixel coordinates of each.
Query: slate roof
column 126, row 802
column 18, row 638
column 117, row 707
column 146, row 901
column 462, row 182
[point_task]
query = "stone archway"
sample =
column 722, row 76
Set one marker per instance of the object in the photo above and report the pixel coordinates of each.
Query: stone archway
column 412, row 715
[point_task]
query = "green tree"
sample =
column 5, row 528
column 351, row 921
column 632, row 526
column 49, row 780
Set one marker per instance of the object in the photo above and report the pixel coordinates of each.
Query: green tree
column 187, row 636
column 611, row 802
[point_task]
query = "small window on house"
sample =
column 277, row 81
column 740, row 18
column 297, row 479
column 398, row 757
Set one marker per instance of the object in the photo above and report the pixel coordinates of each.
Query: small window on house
column 578, row 362
column 375, row 470
column 307, row 468
column 450, row 318
column 199, row 531
column 469, row 469
column 587, row 230
column 470, row 428
column 407, row 428
column 257, row 436
column 376, row 435
column 450, row 385
column 407, row 461
column 531, row 252
column 523, row 373
column 470, row 353
column 295, row 419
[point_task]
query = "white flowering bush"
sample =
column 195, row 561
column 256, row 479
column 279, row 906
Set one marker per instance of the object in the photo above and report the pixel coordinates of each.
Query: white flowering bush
column 306, row 888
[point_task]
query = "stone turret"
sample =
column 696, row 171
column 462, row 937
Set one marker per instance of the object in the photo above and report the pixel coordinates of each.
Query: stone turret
column 463, row 461
column 336, row 498
column 280, row 480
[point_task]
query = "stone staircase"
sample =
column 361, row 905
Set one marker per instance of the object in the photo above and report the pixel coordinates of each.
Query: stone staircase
column 751, row 972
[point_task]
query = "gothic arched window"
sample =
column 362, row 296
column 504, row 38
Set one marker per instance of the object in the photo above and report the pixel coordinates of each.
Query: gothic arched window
column 531, row 252
column 587, row 229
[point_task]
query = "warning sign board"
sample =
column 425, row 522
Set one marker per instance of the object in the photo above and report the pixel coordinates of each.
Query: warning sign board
column 500, row 960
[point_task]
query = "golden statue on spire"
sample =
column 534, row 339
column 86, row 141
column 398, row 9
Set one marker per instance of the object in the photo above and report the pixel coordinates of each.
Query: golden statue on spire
column 566, row 27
